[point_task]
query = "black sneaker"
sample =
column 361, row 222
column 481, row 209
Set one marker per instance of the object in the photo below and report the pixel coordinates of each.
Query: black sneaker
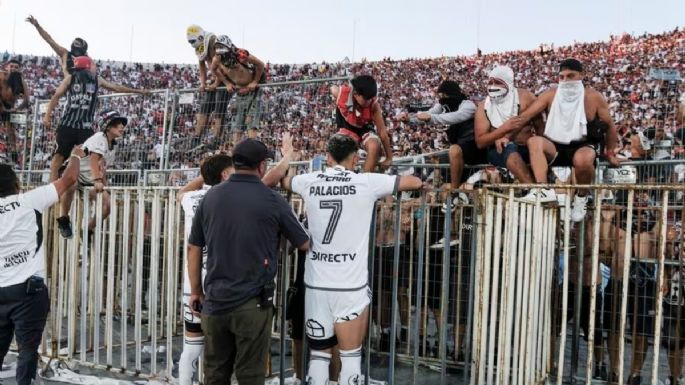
column 64, row 225
column 600, row 372
column 634, row 379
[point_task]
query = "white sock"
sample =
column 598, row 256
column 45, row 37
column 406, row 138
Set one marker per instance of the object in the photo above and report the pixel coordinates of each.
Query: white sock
column 351, row 366
column 318, row 368
column 187, row 365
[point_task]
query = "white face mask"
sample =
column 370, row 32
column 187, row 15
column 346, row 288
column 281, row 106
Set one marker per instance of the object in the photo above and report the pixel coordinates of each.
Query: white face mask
column 570, row 91
column 497, row 92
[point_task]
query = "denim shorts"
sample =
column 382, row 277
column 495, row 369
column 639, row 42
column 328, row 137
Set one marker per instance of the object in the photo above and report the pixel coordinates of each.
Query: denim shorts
column 500, row 159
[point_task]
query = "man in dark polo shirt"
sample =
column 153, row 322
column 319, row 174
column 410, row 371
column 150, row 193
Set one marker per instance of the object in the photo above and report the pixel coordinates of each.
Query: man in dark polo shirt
column 240, row 222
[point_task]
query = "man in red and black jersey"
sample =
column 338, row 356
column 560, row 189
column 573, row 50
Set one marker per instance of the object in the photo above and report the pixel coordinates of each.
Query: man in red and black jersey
column 357, row 114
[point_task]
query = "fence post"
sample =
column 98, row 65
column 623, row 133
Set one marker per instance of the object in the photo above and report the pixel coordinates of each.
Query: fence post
column 170, row 128
column 164, row 127
column 33, row 135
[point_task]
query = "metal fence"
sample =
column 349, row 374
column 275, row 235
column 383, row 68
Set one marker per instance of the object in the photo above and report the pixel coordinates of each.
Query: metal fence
column 480, row 289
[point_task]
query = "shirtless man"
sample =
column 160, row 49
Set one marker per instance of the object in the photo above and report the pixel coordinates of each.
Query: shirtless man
column 577, row 121
column 642, row 276
column 244, row 72
column 211, row 99
column 504, row 100
column 12, row 86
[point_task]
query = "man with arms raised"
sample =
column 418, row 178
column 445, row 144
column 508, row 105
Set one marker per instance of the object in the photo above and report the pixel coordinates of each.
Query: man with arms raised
column 340, row 205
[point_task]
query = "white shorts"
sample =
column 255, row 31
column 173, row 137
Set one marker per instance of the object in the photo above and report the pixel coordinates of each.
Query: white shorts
column 324, row 308
column 188, row 315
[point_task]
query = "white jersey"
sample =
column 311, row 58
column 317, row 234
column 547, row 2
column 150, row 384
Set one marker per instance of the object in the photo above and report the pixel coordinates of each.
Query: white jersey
column 21, row 234
column 339, row 206
column 190, row 202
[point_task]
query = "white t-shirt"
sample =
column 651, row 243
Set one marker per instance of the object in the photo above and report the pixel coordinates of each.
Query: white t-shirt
column 97, row 143
column 339, row 206
column 21, row 234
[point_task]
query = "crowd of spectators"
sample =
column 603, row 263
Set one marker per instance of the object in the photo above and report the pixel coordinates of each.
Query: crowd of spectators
column 618, row 68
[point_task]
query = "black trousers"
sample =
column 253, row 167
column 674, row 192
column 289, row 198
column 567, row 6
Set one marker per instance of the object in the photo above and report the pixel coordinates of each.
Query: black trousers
column 23, row 315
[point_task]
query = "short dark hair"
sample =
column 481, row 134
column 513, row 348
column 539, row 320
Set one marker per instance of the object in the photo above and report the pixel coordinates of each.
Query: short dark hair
column 571, row 64
column 341, row 146
column 8, row 180
column 213, row 166
column 365, row 85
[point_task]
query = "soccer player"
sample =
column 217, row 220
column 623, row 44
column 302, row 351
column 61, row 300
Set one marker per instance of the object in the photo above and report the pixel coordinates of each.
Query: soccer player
column 214, row 170
column 340, row 205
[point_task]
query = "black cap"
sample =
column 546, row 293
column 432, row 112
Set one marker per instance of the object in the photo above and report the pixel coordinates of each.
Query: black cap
column 110, row 117
column 571, row 64
column 249, row 152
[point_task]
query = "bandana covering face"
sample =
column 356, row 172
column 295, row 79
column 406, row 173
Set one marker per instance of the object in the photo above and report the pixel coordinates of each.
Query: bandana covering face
column 566, row 122
column 502, row 102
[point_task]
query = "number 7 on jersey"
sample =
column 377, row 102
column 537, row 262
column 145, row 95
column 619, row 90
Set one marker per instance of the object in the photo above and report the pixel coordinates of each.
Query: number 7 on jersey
column 336, row 205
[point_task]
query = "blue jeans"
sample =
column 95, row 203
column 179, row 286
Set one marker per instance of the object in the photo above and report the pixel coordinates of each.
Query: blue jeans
column 500, row 159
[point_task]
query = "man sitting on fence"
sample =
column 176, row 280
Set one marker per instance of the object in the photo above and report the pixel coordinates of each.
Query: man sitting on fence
column 358, row 115
column 505, row 150
column 100, row 153
column 578, row 120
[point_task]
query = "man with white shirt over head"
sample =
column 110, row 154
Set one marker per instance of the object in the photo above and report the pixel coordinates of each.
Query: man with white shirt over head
column 578, row 120
column 24, row 301
column 505, row 149
column 340, row 206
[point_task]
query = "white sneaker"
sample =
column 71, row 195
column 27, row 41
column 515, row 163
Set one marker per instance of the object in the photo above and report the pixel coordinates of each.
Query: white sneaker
column 543, row 194
column 441, row 243
column 578, row 208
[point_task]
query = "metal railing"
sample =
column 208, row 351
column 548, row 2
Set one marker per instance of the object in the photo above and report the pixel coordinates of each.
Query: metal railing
column 484, row 285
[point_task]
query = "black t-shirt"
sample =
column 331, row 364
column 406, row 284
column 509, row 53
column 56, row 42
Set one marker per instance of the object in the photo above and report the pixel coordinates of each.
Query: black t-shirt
column 240, row 222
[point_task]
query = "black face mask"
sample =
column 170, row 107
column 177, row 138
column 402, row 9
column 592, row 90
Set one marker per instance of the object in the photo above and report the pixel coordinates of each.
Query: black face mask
column 452, row 102
column 15, row 83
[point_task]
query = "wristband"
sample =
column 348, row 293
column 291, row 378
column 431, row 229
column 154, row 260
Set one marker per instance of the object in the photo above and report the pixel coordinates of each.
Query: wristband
column 75, row 156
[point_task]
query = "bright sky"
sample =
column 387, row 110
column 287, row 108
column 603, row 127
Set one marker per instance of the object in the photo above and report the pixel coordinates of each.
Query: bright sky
column 299, row 31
